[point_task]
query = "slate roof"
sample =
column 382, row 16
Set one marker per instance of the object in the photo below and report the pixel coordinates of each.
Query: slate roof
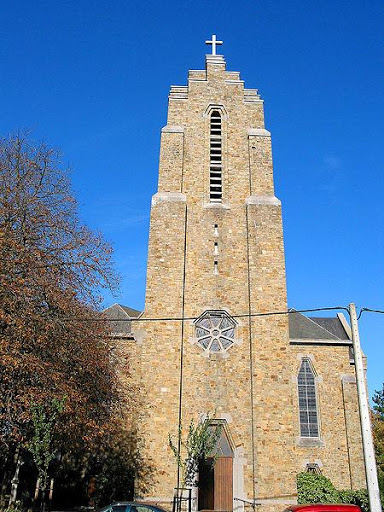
column 316, row 328
column 333, row 325
column 122, row 314
column 133, row 313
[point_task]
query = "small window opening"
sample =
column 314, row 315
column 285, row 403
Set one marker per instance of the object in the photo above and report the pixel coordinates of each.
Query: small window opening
column 216, row 249
column 313, row 468
column 216, row 231
column 216, row 267
column 215, row 157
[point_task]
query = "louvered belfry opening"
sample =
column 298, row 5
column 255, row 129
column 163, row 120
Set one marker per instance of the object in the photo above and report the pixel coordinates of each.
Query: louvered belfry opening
column 215, row 155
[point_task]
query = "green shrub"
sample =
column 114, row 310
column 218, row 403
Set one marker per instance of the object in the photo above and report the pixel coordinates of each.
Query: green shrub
column 359, row 498
column 313, row 488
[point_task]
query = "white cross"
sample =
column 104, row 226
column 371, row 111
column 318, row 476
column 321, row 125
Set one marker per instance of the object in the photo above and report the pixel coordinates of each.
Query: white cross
column 214, row 42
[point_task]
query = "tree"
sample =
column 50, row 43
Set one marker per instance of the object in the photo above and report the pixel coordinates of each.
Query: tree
column 52, row 342
column 378, row 434
column 111, row 469
column 41, row 445
column 199, row 443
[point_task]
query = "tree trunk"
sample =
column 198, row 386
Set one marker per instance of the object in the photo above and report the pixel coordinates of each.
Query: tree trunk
column 4, row 486
column 43, row 499
column 50, row 494
column 37, row 492
column 15, row 479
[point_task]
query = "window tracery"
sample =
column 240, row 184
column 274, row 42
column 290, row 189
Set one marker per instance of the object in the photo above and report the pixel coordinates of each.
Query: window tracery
column 215, row 331
column 309, row 424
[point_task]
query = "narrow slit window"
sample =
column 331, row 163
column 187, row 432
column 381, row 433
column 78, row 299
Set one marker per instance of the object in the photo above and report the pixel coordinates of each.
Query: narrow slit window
column 309, row 424
column 215, row 157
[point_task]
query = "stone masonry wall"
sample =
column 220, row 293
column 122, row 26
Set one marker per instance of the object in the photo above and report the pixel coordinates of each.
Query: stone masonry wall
column 252, row 386
column 339, row 450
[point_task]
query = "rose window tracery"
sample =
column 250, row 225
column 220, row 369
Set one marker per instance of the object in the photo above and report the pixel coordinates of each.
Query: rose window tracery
column 215, row 331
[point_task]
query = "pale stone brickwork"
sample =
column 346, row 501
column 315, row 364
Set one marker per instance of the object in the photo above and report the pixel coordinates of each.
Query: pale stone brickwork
column 339, row 452
column 253, row 385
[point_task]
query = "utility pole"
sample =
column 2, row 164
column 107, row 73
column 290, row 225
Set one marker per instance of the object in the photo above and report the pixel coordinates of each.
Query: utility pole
column 365, row 420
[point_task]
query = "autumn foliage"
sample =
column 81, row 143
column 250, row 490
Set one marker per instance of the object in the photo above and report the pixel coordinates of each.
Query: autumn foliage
column 52, row 344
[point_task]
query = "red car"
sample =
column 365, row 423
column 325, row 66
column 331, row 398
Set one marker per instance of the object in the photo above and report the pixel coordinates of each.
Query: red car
column 323, row 507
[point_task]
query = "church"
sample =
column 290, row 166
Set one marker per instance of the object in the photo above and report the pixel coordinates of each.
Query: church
column 216, row 338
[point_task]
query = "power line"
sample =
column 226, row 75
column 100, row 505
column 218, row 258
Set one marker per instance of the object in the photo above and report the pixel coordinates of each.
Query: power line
column 192, row 318
column 369, row 311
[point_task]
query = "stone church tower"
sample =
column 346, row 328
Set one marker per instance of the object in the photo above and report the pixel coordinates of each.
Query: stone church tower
column 282, row 386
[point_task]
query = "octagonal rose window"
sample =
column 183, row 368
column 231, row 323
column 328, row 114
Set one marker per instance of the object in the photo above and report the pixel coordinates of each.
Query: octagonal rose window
column 215, row 331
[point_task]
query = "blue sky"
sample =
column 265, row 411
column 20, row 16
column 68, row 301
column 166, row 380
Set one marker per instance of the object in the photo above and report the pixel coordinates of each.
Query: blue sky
column 92, row 77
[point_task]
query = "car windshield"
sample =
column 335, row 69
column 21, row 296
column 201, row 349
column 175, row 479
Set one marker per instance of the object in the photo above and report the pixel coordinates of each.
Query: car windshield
column 143, row 508
column 114, row 508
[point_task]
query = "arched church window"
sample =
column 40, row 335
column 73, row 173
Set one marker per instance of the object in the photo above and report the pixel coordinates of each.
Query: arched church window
column 215, row 156
column 309, row 424
column 215, row 331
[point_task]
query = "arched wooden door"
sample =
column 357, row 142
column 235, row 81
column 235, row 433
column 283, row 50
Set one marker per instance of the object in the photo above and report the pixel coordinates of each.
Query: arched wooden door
column 216, row 480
